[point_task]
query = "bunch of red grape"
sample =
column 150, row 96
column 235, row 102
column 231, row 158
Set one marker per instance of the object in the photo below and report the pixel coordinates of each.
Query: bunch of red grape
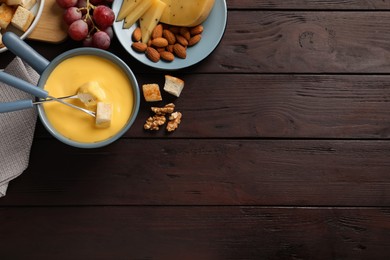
column 89, row 21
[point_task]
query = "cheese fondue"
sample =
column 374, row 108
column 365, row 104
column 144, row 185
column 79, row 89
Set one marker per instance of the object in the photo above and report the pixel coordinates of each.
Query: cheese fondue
column 66, row 80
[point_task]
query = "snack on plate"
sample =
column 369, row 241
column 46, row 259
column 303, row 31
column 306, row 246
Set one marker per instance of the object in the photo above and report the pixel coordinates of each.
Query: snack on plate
column 186, row 13
column 151, row 92
column 173, row 85
column 6, row 14
column 22, row 18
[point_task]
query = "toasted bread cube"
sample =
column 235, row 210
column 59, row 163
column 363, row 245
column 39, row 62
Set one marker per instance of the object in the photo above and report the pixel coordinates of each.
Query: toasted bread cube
column 6, row 13
column 25, row 3
column 22, row 18
column 151, row 92
column 173, row 85
column 103, row 115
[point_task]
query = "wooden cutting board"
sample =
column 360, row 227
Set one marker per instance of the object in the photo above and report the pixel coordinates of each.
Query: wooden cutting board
column 50, row 27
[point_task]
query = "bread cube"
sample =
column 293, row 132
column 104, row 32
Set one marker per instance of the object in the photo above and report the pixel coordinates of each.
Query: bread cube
column 6, row 14
column 173, row 85
column 25, row 3
column 22, row 18
column 151, row 92
column 103, row 115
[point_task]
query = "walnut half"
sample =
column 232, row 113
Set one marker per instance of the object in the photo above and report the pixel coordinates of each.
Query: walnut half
column 174, row 121
column 154, row 123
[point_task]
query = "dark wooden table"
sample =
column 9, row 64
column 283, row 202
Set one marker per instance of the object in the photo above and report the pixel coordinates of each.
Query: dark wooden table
column 283, row 151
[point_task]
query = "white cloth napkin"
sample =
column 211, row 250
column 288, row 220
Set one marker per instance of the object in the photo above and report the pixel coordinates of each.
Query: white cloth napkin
column 16, row 128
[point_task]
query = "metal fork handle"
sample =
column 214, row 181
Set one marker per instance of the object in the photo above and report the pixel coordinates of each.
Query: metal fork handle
column 89, row 112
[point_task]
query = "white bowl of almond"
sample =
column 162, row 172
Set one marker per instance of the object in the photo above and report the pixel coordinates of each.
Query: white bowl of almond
column 20, row 17
column 169, row 34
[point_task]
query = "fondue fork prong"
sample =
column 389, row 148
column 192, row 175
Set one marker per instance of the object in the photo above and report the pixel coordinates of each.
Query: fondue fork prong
column 89, row 112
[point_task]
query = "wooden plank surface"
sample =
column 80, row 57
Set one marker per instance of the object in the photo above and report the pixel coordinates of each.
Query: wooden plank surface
column 50, row 27
column 286, row 42
column 207, row 233
column 207, row 172
column 311, row 5
column 273, row 106
column 283, row 151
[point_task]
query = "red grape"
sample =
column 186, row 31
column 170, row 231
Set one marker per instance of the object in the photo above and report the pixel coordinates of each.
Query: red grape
column 110, row 32
column 78, row 30
column 71, row 14
column 97, row 2
column 101, row 40
column 87, row 42
column 81, row 3
column 66, row 3
column 103, row 16
column 89, row 21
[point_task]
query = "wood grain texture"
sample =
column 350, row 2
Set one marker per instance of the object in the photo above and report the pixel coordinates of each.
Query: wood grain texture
column 283, row 151
column 310, row 4
column 286, row 42
column 303, row 42
column 207, row 172
column 276, row 106
column 51, row 27
column 207, row 233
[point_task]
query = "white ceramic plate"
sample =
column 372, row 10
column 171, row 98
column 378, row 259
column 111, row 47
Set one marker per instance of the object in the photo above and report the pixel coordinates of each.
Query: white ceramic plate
column 214, row 28
column 37, row 11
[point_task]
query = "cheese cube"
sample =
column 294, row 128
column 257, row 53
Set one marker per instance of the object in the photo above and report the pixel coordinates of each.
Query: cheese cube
column 6, row 13
column 149, row 20
column 103, row 115
column 22, row 18
column 173, row 85
column 151, row 92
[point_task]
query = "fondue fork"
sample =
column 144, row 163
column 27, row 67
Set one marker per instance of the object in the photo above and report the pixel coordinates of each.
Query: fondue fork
column 89, row 112
column 33, row 90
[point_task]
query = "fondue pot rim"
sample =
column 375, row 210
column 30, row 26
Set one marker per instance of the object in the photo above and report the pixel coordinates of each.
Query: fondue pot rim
column 44, row 68
column 98, row 53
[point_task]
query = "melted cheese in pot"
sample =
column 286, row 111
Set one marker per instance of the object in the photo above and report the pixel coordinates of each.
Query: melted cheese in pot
column 66, row 79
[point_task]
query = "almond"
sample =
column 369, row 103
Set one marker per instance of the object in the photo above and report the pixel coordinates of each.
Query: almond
column 196, row 30
column 139, row 46
column 152, row 54
column 174, row 29
column 160, row 42
column 137, row 35
column 167, row 56
column 194, row 39
column 170, row 48
column 170, row 36
column 157, row 31
column 185, row 33
column 180, row 51
column 180, row 39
